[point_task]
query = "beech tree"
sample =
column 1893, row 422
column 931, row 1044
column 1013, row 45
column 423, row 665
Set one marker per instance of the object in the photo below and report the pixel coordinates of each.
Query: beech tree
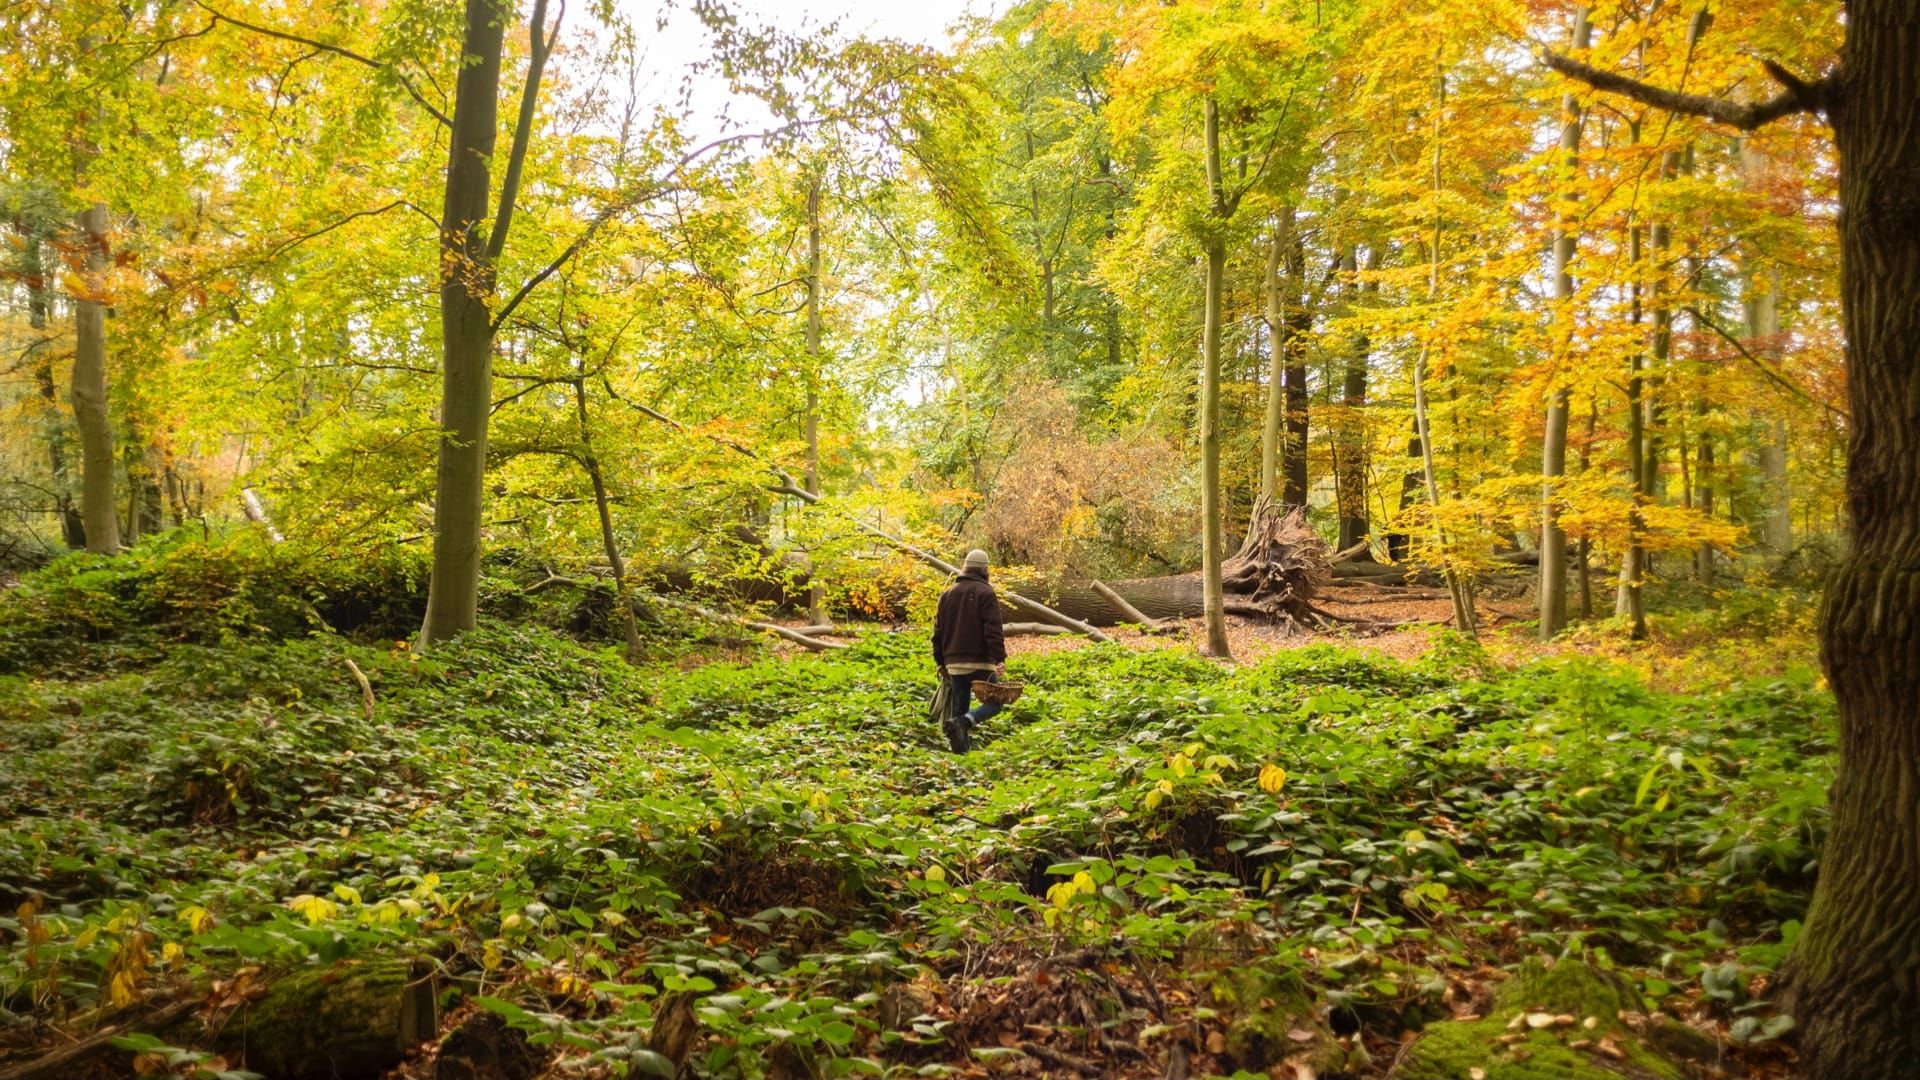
column 469, row 254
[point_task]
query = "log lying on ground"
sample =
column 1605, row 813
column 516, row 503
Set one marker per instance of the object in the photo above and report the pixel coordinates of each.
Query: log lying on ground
column 349, row 1019
column 1017, row 629
column 345, row 1019
column 1280, row 567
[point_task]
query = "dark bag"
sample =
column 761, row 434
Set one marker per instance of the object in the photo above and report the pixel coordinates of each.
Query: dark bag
column 942, row 705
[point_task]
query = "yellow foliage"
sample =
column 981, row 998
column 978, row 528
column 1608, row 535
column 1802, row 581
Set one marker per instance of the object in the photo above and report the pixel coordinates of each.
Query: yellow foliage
column 1272, row 778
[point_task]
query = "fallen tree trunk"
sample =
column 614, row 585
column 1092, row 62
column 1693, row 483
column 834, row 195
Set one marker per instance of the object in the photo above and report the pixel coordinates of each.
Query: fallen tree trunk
column 315, row 1024
column 346, row 1019
column 1017, row 629
column 1280, row 567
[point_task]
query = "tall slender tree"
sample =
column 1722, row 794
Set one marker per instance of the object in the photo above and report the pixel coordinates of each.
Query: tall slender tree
column 1220, row 206
column 98, row 514
column 1553, row 455
column 469, row 255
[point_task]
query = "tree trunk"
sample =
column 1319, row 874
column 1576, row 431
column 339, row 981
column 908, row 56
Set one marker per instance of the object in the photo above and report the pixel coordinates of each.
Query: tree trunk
column 1856, row 994
column 1273, row 424
column 348, row 1019
column 1280, row 567
column 1400, row 545
column 88, row 393
column 1458, row 587
column 1763, row 328
column 603, row 507
column 1210, row 538
column 355, row 1018
column 1631, row 602
column 1293, row 486
column 1703, row 483
column 816, row 596
column 39, row 306
column 1585, row 551
column 1350, row 474
column 1553, row 450
column 468, row 256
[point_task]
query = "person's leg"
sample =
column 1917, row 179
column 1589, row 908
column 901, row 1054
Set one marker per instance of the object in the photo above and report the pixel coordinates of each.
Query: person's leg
column 962, row 692
column 956, row 725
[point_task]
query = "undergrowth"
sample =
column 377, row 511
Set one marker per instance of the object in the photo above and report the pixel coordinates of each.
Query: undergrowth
column 786, row 842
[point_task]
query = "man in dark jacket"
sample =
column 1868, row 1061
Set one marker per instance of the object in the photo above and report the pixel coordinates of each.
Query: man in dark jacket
column 968, row 646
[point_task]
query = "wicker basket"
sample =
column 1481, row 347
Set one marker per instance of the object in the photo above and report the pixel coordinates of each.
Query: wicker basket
column 998, row 693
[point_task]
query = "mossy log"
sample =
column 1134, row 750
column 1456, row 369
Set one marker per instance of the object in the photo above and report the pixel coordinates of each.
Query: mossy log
column 345, row 1019
column 349, row 1019
column 1563, row 1021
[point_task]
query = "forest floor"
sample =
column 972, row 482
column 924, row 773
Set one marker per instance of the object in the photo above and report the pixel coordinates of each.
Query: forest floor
column 1323, row 860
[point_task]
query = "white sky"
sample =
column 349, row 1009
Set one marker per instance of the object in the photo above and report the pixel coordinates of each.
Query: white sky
column 669, row 52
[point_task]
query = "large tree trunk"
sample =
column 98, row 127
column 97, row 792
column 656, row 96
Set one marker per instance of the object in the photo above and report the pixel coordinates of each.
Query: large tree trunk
column 466, row 332
column 1281, row 566
column 88, row 393
column 1553, row 451
column 1210, row 533
column 1857, row 994
column 352, row 1018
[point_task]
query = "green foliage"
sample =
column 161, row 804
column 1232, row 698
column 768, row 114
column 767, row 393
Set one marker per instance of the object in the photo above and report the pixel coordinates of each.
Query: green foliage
column 178, row 588
column 787, row 840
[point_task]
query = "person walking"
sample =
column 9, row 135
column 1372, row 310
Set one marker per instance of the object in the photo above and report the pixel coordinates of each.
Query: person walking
column 968, row 647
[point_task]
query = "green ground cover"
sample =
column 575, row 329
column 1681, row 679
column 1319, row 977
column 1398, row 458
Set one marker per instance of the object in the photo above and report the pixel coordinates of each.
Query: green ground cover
column 784, row 852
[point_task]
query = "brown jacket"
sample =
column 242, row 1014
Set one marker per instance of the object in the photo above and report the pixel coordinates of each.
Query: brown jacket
column 966, row 629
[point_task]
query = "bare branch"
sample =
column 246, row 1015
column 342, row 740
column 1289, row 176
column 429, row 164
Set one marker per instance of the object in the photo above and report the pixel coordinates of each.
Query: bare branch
column 1797, row 97
column 1766, row 368
column 296, row 241
column 627, row 202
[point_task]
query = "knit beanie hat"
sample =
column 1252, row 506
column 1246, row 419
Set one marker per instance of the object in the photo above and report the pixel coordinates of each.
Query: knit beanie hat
column 976, row 560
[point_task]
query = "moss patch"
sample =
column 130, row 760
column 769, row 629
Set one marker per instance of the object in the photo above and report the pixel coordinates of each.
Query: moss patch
column 1274, row 1020
column 1452, row 1049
